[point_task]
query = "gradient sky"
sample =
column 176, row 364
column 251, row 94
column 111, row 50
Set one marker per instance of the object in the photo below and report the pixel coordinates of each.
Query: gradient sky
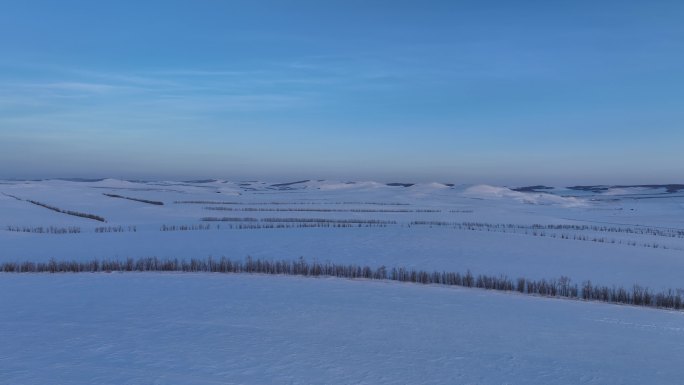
column 509, row 92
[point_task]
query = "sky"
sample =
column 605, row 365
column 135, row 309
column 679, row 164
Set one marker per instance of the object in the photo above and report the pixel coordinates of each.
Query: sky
column 501, row 92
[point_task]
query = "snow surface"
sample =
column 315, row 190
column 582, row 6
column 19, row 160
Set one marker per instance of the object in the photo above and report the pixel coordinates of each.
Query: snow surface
column 623, row 258
column 486, row 191
column 210, row 328
column 146, row 328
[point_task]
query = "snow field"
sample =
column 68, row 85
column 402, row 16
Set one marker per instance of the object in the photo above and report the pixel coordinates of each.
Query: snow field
column 142, row 328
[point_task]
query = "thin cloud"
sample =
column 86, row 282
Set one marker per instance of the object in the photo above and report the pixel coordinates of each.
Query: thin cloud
column 203, row 73
column 80, row 87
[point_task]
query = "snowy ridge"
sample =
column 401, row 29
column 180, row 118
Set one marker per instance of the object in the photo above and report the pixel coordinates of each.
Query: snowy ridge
column 493, row 192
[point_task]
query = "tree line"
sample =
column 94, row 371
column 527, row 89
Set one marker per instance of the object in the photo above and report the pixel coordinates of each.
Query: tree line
column 321, row 210
column 300, row 220
column 560, row 288
column 45, row 230
column 641, row 230
column 205, row 202
column 157, row 203
column 68, row 212
column 57, row 209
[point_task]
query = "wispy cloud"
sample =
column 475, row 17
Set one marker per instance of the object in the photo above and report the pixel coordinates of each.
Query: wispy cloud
column 86, row 96
column 97, row 88
column 202, row 104
column 121, row 78
column 202, row 73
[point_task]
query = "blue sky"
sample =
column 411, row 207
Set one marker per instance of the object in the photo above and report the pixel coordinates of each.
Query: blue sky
column 509, row 92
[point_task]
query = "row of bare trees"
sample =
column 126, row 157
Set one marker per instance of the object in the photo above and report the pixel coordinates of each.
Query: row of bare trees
column 562, row 287
column 68, row 212
column 157, row 203
column 319, row 210
column 45, row 230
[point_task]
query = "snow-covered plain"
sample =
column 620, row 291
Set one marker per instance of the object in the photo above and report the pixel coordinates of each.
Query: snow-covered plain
column 151, row 328
column 622, row 258
column 207, row 328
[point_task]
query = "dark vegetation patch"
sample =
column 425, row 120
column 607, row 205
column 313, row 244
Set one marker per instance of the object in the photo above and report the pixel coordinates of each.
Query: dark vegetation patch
column 68, row 230
column 637, row 197
column 12, row 196
column 638, row 230
column 81, row 179
column 326, row 220
column 661, row 197
column 553, row 231
column 45, row 230
column 157, row 203
column 185, row 227
column 290, row 183
column 209, row 202
column 594, row 189
column 669, row 188
column 116, row 229
column 537, row 188
column 370, row 203
column 141, row 189
column 321, row 210
column 68, row 212
column 57, row 209
column 296, row 225
column 253, row 224
column 301, row 220
column 279, row 191
column 200, row 181
column 229, row 219
column 204, row 202
column 562, row 287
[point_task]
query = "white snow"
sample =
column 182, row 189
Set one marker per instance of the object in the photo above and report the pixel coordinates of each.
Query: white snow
column 491, row 192
column 208, row 328
column 621, row 258
column 237, row 329
column 331, row 186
